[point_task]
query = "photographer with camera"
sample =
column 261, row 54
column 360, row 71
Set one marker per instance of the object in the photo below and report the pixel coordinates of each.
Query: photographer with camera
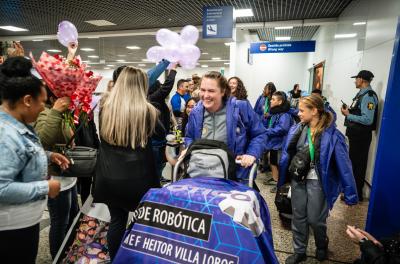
column 316, row 160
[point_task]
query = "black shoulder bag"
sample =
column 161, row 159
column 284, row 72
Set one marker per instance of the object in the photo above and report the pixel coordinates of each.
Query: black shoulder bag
column 83, row 159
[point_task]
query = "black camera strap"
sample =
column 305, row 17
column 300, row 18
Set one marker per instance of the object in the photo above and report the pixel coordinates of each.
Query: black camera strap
column 311, row 147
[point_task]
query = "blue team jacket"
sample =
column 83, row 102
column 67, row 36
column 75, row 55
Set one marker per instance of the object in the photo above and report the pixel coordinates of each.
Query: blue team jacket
column 259, row 108
column 245, row 132
column 334, row 167
column 277, row 133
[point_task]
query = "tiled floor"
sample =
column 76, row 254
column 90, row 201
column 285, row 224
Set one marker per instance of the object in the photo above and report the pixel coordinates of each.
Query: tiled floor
column 341, row 249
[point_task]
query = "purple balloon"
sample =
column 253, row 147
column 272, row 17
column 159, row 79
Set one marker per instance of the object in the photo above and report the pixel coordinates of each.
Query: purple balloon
column 172, row 53
column 189, row 53
column 190, row 34
column 168, row 38
column 188, row 65
column 155, row 53
column 67, row 33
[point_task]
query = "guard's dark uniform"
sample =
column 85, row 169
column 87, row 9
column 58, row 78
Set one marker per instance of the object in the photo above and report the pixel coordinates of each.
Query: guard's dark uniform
column 360, row 123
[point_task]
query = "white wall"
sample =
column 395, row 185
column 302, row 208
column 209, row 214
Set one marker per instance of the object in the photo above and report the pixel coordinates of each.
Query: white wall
column 284, row 69
column 370, row 50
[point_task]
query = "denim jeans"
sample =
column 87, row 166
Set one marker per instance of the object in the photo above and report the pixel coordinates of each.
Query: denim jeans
column 63, row 210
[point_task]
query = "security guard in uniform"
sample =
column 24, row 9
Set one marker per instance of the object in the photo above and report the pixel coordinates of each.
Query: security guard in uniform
column 360, row 121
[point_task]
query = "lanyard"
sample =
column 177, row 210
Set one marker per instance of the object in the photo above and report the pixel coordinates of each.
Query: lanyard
column 310, row 145
column 266, row 105
column 270, row 122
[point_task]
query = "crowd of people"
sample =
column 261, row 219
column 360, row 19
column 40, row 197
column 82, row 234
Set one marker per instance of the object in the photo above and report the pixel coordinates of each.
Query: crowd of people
column 292, row 135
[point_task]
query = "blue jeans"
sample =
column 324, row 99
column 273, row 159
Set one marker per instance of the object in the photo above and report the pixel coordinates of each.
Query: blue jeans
column 63, row 210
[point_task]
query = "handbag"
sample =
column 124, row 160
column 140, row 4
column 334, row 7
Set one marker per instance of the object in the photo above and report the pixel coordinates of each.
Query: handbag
column 82, row 159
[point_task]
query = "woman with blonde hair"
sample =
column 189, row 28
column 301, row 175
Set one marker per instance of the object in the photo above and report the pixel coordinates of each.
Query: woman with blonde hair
column 316, row 159
column 125, row 166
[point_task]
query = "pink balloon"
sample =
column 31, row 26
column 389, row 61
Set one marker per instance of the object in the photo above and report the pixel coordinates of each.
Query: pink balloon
column 190, row 34
column 67, row 33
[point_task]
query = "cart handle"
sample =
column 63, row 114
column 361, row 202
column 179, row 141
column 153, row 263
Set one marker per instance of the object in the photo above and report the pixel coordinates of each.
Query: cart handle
column 251, row 176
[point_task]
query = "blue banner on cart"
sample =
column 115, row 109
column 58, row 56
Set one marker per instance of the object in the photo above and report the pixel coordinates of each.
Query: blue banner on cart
column 199, row 220
column 282, row 47
column 174, row 250
column 217, row 22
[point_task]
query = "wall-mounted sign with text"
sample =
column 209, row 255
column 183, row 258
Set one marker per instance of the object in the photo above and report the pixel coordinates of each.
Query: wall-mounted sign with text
column 217, row 22
column 282, row 47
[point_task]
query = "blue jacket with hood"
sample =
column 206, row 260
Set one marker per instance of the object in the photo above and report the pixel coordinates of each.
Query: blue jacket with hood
column 333, row 164
column 259, row 108
column 279, row 125
column 245, row 132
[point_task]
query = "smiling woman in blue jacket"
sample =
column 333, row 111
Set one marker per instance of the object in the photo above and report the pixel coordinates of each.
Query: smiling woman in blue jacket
column 316, row 158
column 221, row 117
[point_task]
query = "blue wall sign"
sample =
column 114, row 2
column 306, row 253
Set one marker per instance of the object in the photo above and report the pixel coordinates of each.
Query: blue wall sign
column 217, row 22
column 282, row 47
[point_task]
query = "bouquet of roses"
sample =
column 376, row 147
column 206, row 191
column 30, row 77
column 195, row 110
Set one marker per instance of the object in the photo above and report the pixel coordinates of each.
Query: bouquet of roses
column 68, row 77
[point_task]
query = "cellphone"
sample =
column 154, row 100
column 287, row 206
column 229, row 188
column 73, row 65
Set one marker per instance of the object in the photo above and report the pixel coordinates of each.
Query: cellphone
column 344, row 105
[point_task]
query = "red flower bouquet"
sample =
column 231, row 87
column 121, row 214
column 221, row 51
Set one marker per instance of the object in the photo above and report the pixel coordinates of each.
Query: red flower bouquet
column 68, row 78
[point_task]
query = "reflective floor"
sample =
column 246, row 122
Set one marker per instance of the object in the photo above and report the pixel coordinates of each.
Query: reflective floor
column 341, row 249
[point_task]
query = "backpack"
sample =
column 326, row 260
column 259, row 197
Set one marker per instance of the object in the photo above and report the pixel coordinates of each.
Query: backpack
column 209, row 158
column 282, row 201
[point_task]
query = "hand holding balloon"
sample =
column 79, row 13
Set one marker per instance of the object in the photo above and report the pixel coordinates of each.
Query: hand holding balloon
column 72, row 47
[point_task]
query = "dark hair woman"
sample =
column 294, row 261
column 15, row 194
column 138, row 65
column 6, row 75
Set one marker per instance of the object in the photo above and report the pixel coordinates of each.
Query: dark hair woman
column 190, row 104
column 23, row 163
column 262, row 107
column 263, row 103
column 237, row 88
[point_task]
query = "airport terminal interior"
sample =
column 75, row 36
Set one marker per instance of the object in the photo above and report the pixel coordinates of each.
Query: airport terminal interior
column 199, row 131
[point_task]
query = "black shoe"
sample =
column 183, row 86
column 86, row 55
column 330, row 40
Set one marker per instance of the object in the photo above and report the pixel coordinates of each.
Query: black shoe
column 296, row 258
column 321, row 254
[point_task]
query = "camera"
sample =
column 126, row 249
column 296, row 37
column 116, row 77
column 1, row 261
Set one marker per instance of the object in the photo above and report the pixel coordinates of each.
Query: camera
column 300, row 164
